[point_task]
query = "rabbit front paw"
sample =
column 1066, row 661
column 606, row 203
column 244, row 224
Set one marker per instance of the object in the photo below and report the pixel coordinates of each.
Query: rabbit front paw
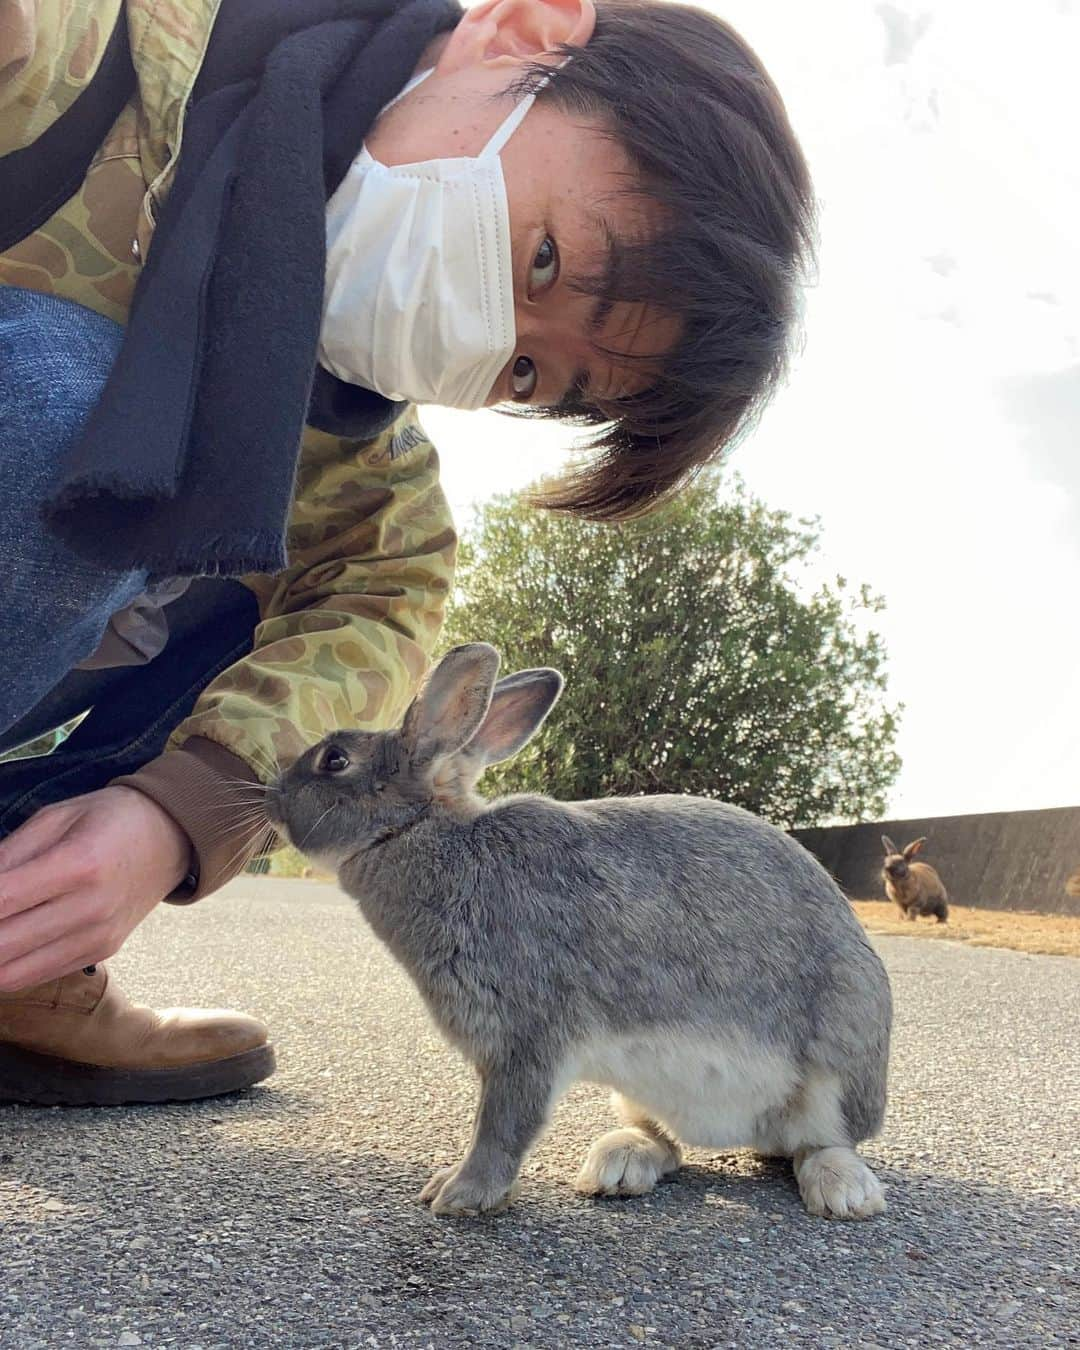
column 626, row 1162
column 436, row 1183
column 453, row 1192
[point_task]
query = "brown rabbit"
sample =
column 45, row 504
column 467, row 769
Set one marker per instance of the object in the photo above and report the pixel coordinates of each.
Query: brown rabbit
column 915, row 886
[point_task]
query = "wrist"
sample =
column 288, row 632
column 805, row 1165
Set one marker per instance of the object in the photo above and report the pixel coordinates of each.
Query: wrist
column 173, row 849
column 198, row 790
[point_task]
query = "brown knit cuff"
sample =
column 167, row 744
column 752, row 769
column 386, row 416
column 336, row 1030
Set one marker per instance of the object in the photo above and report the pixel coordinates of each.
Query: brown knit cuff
column 197, row 787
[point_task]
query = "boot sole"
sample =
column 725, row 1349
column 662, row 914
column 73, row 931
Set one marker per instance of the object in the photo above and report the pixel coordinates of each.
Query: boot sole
column 43, row 1080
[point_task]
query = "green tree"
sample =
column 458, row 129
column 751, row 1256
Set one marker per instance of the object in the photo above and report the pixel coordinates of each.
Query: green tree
column 697, row 660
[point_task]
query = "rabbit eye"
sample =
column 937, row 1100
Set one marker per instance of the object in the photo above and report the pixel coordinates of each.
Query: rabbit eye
column 332, row 760
column 378, row 787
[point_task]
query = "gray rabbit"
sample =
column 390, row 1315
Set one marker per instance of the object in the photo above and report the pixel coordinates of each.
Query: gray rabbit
column 680, row 951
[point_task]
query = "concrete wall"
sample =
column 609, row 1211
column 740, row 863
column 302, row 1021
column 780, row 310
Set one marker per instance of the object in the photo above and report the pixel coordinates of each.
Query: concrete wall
column 1003, row 860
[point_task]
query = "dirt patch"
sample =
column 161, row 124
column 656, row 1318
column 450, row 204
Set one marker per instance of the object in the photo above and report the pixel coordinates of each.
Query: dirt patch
column 1039, row 934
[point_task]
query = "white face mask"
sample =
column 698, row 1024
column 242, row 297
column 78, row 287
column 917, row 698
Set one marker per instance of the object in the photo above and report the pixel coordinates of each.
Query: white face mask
column 419, row 301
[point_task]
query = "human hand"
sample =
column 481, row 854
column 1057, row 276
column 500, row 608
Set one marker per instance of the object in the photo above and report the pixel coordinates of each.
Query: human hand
column 76, row 878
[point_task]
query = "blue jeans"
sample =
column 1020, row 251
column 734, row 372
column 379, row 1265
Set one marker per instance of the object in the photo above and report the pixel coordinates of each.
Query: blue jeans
column 54, row 607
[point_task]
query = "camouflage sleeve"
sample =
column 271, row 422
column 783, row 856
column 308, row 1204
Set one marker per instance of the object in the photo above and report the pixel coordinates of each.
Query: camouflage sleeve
column 347, row 632
column 49, row 51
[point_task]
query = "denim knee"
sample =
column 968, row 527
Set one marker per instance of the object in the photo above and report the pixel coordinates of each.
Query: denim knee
column 55, row 357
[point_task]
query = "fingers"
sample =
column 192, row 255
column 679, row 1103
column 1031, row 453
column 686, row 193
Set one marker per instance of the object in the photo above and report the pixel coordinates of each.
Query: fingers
column 55, row 871
column 39, row 926
column 77, row 878
column 40, row 832
column 73, row 951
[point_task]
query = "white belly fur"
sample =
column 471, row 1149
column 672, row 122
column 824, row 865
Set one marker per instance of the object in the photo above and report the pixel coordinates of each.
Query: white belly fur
column 710, row 1092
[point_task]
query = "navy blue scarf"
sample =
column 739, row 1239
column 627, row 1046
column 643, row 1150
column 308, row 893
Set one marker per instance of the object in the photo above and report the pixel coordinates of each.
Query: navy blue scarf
column 188, row 462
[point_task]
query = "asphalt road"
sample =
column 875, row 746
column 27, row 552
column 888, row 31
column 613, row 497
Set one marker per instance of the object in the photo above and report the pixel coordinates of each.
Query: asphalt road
column 285, row 1217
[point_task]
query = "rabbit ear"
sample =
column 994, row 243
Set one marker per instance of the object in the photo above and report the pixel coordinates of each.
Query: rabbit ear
column 519, row 705
column 914, row 847
column 451, row 706
column 888, row 844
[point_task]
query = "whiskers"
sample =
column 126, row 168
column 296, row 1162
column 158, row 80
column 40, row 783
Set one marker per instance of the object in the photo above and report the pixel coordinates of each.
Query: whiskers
column 259, row 837
column 303, row 843
column 245, row 804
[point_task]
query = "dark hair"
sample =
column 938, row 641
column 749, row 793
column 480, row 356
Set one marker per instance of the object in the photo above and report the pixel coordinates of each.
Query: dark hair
column 706, row 130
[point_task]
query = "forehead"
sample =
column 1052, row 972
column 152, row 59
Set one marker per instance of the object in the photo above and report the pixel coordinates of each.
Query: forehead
column 629, row 346
column 571, row 162
column 567, row 174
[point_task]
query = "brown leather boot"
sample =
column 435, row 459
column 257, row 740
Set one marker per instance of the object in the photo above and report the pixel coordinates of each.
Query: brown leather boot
column 79, row 1042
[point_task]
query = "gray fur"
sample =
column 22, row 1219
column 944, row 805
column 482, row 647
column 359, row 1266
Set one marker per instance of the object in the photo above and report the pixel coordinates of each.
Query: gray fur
column 533, row 927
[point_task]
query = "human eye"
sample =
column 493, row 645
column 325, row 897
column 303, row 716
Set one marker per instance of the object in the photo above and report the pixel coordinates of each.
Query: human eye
column 545, row 267
column 523, row 379
column 543, row 274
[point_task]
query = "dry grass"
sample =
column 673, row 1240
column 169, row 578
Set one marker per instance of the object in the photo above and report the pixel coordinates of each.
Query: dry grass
column 289, row 862
column 1039, row 934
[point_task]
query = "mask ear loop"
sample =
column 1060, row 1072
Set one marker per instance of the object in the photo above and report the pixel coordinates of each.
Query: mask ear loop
column 515, row 119
column 409, row 87
column 508, row 127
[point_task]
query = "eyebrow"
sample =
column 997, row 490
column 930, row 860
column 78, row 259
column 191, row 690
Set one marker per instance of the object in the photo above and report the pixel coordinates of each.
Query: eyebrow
column 601, row 309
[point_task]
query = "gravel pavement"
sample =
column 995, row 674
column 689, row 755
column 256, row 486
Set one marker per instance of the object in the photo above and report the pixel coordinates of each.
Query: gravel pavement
column 285, row 1217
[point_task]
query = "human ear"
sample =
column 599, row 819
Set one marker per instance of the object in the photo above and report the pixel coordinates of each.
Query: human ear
column 508, row 32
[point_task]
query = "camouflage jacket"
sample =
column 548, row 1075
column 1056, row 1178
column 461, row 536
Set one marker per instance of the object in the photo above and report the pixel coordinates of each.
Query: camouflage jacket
column 347, row 630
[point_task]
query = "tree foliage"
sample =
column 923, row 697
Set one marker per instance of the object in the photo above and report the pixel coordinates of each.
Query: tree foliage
column 696, row 657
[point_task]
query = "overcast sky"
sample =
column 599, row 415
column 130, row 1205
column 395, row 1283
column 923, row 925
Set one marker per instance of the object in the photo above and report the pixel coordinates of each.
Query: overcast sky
column 933, row 418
